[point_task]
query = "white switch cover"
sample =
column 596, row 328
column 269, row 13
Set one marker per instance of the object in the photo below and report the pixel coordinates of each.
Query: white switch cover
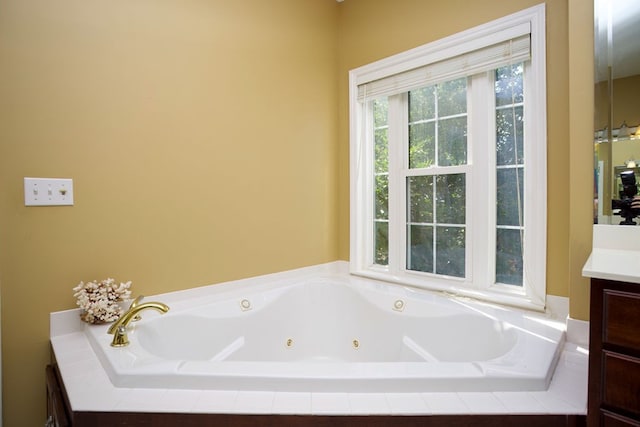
column 48, row 192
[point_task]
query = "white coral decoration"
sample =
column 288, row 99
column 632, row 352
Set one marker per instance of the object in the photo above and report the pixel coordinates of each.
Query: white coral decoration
column 99, row 300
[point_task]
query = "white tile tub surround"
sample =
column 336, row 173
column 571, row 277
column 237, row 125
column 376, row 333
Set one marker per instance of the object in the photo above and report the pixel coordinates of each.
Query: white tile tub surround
column 90, row 389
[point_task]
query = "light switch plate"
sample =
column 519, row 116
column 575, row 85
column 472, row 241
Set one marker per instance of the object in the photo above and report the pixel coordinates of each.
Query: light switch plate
column 48, row 192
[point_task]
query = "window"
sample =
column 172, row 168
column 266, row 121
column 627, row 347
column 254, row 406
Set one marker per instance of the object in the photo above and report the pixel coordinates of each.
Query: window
column 448, row 164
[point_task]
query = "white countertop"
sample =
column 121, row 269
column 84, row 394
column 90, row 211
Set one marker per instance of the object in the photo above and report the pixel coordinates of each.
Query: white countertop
column 615, row 254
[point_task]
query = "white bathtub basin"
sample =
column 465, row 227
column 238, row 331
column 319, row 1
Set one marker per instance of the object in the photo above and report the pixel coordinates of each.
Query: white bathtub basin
column 336, row 334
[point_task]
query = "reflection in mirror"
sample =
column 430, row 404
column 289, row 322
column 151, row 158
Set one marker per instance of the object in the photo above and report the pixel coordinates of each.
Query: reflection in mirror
column 617, row 102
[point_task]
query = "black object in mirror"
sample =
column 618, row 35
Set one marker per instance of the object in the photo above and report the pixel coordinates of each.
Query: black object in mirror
column 628, row 206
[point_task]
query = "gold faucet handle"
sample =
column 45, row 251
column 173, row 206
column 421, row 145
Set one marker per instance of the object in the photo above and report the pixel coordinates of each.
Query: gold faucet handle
column 119, row 327
column 134, row 304
column 120, row 338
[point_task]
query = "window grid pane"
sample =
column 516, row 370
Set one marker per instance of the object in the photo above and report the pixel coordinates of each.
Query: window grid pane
column 381, row 181
column 509, row 256
column 436, row 224
column 509, row 196
column 381, row 246
column 509, row 99
column 436, row 203
column 438, row 125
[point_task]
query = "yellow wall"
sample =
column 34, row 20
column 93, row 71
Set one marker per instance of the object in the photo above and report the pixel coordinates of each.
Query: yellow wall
column 208, row 140
column 580, row 183
column 201, row 139
column 626, row 92
column 628, row 149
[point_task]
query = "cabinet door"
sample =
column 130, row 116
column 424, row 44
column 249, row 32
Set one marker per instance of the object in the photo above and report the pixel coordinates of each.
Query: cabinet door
column 614, row 420
column 56, row 413
column 621, row 382
column 614, row 354
column 622, row 319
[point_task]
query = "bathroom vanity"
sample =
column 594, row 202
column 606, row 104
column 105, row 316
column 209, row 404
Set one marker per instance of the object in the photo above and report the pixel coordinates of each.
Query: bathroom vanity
column 614, row 354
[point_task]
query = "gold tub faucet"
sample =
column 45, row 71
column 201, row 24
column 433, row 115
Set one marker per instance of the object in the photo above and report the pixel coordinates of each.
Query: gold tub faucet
column 119, row 327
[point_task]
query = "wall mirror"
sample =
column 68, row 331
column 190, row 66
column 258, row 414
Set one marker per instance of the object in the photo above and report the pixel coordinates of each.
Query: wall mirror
column 617, row 106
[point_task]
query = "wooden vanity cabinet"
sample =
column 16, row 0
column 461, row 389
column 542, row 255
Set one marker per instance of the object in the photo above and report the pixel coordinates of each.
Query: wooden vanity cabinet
column 614, row 354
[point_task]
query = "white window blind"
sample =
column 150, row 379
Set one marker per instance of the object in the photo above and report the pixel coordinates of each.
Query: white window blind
column 487, row 58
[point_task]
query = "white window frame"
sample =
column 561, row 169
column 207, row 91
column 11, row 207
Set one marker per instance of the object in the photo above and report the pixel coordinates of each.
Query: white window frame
column 480, row 173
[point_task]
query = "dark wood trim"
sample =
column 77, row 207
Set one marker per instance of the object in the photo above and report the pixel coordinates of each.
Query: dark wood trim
column 57, row 405
column 110, row 419
column 595, row 351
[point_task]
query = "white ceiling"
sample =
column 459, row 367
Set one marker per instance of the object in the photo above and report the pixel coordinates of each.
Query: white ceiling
column 625, row 17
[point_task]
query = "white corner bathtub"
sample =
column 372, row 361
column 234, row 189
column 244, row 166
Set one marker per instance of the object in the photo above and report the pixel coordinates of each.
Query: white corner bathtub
column 333, row 334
